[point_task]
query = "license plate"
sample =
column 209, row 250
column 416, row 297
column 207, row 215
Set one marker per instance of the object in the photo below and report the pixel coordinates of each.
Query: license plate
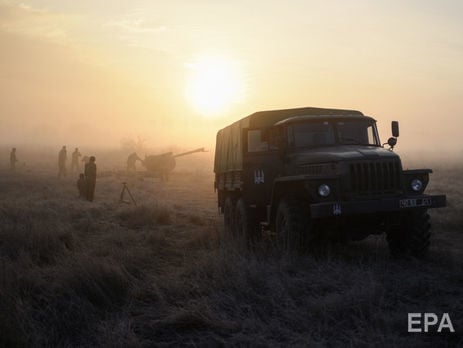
column 415, row 202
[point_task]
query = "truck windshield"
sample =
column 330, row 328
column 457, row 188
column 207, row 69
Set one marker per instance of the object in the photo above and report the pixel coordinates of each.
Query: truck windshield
column 329, row 133
column 354, row 132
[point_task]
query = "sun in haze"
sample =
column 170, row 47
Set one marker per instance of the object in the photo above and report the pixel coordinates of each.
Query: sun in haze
column 213, row 85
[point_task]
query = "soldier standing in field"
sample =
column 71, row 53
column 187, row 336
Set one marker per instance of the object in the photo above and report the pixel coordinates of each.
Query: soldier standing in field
column 75, row 160
column 62, row 158
column 131, row 162
column 13, row 159
column 84, row 161
column 82, row 186
column 90, row 177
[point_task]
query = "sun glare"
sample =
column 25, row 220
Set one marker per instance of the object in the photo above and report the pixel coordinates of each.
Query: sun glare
column 213, row 85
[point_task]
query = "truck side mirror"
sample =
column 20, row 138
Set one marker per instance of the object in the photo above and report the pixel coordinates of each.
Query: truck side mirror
column 395, row 128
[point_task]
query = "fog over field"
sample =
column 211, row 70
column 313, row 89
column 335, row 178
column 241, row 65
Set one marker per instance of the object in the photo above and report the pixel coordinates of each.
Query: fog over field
column 91, row 74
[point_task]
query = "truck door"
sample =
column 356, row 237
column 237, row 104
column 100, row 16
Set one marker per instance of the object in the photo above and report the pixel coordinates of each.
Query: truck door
column 261, row 165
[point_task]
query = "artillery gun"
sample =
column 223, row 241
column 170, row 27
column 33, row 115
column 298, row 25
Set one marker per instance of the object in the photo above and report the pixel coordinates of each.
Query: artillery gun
column 162, row 165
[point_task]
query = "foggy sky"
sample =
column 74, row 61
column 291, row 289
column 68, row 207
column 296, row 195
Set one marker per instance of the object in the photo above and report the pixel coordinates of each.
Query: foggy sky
column 94, row 72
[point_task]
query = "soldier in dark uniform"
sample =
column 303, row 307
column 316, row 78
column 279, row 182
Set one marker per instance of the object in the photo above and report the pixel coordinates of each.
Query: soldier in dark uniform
column 131, row 162
column 84, row 161
column 82, row 186
column 62, row 158
column 90, row 177
column 75, row 160
column 13, row 159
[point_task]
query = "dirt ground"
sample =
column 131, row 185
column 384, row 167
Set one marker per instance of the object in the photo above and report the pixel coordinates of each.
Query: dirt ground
column 112, row 273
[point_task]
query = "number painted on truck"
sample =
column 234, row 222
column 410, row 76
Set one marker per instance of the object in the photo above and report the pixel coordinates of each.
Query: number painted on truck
column 415, row 202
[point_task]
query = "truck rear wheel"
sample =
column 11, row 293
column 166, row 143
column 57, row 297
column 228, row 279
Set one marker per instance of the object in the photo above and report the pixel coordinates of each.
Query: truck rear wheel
column 293, row 226
column 245, row 223
column 229, row 217
column 412, row 236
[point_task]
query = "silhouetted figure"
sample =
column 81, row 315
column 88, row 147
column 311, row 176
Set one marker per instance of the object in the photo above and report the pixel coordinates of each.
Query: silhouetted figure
column 13, row 159
column 75, row 160
column 90, row 177
column 84, row 161
column 131, row 162
column 82, row 186
column 62, row 158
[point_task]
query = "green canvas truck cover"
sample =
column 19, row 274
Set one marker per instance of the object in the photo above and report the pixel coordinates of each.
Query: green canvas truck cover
column 229, row 147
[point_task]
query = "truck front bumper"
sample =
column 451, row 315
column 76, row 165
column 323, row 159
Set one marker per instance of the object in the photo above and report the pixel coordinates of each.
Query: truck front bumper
column 396, row 204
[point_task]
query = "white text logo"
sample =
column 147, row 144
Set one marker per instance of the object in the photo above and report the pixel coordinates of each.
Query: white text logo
column 418, row 322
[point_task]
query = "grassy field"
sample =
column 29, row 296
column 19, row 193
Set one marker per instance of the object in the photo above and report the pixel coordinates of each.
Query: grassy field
column 74, row 273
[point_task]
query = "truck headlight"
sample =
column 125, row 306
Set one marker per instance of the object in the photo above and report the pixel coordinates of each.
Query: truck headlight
column 416, row 185
column 324, row 190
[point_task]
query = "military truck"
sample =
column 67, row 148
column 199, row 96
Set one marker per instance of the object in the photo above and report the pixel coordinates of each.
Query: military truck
column 303, row 173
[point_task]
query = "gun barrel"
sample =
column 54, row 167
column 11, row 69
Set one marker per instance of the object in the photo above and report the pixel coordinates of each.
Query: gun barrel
column 201, row 149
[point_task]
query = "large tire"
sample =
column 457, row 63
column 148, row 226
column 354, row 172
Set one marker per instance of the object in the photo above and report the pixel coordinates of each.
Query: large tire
column 245, row 223
column 229, row 217
column 412, row 236
column 294, row 229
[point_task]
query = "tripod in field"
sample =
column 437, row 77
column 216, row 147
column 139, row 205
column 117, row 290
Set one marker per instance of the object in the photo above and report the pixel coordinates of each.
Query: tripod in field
column 124, row 189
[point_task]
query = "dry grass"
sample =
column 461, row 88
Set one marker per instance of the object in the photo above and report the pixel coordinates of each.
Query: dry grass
column 74, row 273
column 144, row 216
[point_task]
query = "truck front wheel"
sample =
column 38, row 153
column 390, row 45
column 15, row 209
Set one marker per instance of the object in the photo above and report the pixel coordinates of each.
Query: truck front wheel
column 293, row 226
column 412, row 236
